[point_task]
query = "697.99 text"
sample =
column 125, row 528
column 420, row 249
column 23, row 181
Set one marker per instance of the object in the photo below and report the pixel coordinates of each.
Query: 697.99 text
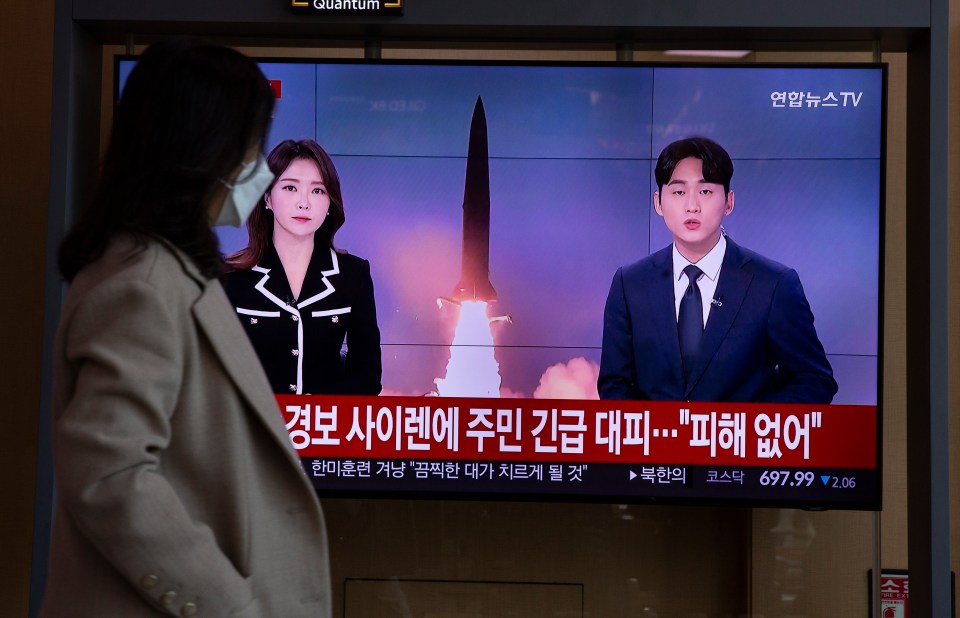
column 787, row 478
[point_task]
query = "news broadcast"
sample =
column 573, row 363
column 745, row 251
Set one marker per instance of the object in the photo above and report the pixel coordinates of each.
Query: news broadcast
column 524, row 226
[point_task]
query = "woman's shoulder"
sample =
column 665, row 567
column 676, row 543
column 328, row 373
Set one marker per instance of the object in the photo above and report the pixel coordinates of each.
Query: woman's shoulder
column 349, row 261
column 240, row 283
column 146, row 259
column 141, row 267
column 234, row 272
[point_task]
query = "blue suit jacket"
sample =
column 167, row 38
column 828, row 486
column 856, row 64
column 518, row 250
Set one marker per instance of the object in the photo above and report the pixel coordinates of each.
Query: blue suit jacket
column 759, row 343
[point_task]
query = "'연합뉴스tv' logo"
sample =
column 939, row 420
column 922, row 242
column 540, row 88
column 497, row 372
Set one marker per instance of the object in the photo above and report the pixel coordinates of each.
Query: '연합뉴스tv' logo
column 797, row 99
column 348, row 7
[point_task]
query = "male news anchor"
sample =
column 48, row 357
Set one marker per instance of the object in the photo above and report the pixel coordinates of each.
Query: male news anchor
column 705, row 319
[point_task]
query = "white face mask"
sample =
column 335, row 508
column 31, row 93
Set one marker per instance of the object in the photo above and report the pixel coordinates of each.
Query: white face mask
column 253, row 180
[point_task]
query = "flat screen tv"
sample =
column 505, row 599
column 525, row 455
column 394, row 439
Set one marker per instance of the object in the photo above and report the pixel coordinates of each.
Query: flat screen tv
column 496, row 201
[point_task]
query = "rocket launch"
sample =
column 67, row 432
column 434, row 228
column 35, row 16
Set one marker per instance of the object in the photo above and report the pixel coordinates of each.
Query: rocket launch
column 473, row 370
column 474, row 282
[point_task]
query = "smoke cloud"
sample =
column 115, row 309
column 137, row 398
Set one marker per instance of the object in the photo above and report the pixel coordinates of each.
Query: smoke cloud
column 575, row 379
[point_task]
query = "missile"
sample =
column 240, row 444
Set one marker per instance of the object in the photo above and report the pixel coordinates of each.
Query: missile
column 474, row 282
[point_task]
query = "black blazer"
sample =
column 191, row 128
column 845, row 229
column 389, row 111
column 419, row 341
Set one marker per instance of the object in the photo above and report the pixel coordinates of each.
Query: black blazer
column 759, row 343
column 300, row 341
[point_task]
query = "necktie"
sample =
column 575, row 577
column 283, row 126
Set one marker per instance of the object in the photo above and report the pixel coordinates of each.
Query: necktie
column 690, row 320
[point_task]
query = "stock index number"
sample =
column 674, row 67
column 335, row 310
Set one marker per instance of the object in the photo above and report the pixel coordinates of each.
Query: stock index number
column 786, row 478
column 800, row 478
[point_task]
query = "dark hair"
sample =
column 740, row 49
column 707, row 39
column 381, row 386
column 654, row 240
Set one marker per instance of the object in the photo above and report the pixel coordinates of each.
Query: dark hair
column 260, row 223
column 717, row 166
column 189, row 113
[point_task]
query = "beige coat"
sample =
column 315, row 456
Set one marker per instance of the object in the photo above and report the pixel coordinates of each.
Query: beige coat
column 178, row 490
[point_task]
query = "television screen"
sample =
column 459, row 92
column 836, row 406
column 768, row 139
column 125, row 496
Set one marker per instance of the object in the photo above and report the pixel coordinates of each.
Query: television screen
column 505, row 208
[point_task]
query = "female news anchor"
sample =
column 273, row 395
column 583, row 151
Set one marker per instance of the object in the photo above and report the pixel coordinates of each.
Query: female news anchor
column 179, row 492
column 297, row 296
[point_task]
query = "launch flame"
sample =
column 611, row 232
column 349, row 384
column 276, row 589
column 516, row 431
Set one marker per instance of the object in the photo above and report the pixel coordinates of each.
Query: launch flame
column 472, row 370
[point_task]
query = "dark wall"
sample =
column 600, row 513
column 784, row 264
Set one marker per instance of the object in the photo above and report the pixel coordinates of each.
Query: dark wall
column 543, row 13
column 26, row 58
column 644, row 22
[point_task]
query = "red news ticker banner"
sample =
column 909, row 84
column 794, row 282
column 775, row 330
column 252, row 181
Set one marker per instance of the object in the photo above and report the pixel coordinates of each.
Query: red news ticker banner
column 566, row 430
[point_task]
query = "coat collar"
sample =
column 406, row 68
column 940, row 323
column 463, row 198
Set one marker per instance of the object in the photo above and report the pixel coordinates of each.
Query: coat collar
column 188, row 265
column 231, row 345
column 211, row 311
column 661, row 308
column 316, row 284
column 731, row 290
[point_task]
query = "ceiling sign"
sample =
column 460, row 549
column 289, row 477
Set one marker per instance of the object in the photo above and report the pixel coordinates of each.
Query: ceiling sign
column 348, row 7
